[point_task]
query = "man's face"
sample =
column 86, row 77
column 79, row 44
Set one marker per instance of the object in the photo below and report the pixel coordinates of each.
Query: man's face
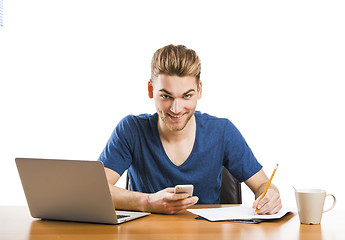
column 175, row 99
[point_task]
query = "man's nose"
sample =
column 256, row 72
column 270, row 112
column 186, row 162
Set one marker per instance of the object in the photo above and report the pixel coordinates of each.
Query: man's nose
column 176, row 106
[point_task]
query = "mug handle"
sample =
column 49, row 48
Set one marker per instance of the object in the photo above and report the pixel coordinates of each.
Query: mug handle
column 334, row 202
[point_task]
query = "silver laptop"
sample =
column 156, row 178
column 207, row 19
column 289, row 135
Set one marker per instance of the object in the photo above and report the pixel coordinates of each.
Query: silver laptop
column 69, row 190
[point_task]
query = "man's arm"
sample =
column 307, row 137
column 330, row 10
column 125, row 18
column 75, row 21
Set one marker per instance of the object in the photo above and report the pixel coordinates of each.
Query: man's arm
column 271, row 203
column 164, row 201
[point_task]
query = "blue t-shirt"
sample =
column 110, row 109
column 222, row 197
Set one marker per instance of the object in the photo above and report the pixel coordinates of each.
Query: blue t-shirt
column 135, row 145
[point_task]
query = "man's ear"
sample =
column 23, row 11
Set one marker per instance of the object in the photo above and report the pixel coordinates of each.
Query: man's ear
column 150, row 89
column 200, row 89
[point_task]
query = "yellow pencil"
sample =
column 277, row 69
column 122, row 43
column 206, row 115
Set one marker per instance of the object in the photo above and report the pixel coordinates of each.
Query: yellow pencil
column 268, row 185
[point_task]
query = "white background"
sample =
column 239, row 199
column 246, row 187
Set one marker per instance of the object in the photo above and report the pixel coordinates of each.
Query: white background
column 70, row 70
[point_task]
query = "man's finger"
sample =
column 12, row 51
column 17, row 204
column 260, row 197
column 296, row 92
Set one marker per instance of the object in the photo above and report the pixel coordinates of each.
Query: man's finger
column 178, row 196
column 271, row 207
column 183, row 204
column 170, row 190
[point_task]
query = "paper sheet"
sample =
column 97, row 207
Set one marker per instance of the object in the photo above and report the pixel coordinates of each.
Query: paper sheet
column 234, row 213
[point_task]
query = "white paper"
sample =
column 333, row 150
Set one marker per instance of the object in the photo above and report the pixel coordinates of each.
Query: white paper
column 234, row 213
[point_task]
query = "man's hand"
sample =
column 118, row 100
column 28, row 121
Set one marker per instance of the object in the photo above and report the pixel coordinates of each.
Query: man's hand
column 270, row 204
column 167, row 202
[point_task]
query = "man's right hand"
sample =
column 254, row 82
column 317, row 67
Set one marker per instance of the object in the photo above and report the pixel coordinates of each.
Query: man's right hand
column 167, row 202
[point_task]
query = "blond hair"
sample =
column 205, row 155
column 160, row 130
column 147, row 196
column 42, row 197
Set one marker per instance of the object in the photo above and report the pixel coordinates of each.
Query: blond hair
column 176, row 60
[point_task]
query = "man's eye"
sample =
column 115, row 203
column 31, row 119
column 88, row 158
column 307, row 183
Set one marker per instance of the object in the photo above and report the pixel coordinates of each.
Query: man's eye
column 187, row 96
column 165, row 96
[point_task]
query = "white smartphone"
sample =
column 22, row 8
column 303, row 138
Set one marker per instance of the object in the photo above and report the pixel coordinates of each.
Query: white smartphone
column 185, row 189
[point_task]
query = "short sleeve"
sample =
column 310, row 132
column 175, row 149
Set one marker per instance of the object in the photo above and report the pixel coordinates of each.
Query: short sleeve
column 238, row 157
column 117, row 154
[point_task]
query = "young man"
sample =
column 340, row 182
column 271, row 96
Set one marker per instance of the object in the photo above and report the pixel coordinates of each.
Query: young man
column 178, row 145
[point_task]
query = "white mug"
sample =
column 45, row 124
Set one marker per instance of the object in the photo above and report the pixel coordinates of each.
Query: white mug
column 310, row 204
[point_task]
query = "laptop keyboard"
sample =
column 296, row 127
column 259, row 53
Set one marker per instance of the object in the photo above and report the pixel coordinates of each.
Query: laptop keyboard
column 121, row 216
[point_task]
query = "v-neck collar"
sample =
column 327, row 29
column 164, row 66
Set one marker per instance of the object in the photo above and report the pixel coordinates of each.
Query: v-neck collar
column 162, row 150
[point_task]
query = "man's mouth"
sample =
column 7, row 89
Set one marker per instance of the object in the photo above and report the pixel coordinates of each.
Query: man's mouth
column 175, row 116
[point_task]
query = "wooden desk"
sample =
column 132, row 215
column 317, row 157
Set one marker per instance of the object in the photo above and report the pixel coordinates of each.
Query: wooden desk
column 16, row 223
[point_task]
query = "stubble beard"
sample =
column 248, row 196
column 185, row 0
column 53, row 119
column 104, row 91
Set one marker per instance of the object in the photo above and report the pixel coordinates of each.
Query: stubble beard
column 171, row 127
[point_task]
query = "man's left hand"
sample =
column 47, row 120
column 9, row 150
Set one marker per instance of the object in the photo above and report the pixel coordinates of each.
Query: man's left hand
column 269, row 204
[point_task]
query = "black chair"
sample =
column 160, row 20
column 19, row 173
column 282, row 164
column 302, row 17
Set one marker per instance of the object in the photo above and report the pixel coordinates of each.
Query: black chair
column 230, row 192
